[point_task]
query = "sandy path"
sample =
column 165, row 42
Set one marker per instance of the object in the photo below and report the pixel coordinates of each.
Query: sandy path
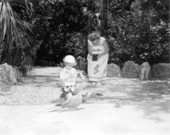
column 95, row 119
column 127, row 107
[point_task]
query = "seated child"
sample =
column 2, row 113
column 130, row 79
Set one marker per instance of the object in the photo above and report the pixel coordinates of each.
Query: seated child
column 68, row 76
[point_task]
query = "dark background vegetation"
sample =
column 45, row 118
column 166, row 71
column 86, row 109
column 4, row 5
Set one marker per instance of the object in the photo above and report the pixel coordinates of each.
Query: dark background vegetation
column 42, row 32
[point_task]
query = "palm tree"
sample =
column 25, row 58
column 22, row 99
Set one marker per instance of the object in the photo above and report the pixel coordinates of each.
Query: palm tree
column 15, row 42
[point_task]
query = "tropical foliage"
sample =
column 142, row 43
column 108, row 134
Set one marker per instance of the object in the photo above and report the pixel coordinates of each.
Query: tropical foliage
column 47, row 30
column 16, row 43
column 140, row 33
column 62, row 28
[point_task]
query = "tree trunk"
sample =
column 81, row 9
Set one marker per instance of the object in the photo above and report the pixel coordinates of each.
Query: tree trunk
column 104, row 17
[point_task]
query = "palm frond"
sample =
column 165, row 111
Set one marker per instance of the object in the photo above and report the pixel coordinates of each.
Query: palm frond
column 14, row 33
column 12, row 28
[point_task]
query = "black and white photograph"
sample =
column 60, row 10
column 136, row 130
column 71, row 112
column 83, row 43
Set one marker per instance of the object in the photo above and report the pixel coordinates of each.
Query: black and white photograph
column 84, row 67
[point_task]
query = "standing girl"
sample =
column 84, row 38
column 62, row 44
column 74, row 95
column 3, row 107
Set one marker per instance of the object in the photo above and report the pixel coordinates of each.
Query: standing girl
column 98, row 53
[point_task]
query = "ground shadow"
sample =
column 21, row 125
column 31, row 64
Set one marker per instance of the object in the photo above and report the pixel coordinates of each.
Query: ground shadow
column 152, row 97
column 61, row 110
column 40, row 80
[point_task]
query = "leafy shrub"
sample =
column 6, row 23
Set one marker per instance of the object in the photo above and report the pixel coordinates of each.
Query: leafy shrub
column 160, row 71
column 113, row 70
column 130, row 70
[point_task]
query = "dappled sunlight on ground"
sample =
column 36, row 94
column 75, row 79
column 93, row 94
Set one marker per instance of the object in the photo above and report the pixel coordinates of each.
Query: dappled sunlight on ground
column 120, row 106
column 151, row 97
column 120, row 91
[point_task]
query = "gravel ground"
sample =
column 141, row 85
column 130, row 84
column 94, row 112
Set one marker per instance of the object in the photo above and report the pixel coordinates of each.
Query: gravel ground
column 38, row 88
column 30, row 95
column 41, row 87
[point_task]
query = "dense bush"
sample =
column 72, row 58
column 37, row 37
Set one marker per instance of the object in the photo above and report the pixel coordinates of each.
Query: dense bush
column 17, row 46
column 136, row 30
column 61, row 28
column 139, row 34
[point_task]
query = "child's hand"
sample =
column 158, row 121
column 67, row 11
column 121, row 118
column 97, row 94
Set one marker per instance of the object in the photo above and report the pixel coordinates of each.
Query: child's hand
column 72, row 89
column 66, row 89
column 82, row 77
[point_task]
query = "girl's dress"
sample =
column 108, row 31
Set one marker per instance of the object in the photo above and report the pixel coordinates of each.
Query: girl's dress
column 97, row 69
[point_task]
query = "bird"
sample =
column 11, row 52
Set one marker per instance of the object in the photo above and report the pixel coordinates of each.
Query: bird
column 75, row 100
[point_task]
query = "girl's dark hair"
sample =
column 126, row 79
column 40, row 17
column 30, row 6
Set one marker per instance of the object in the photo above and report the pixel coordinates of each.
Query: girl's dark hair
column 94, row 35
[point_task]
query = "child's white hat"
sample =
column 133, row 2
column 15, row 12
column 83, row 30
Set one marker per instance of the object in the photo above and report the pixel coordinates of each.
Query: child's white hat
column 69, row 60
